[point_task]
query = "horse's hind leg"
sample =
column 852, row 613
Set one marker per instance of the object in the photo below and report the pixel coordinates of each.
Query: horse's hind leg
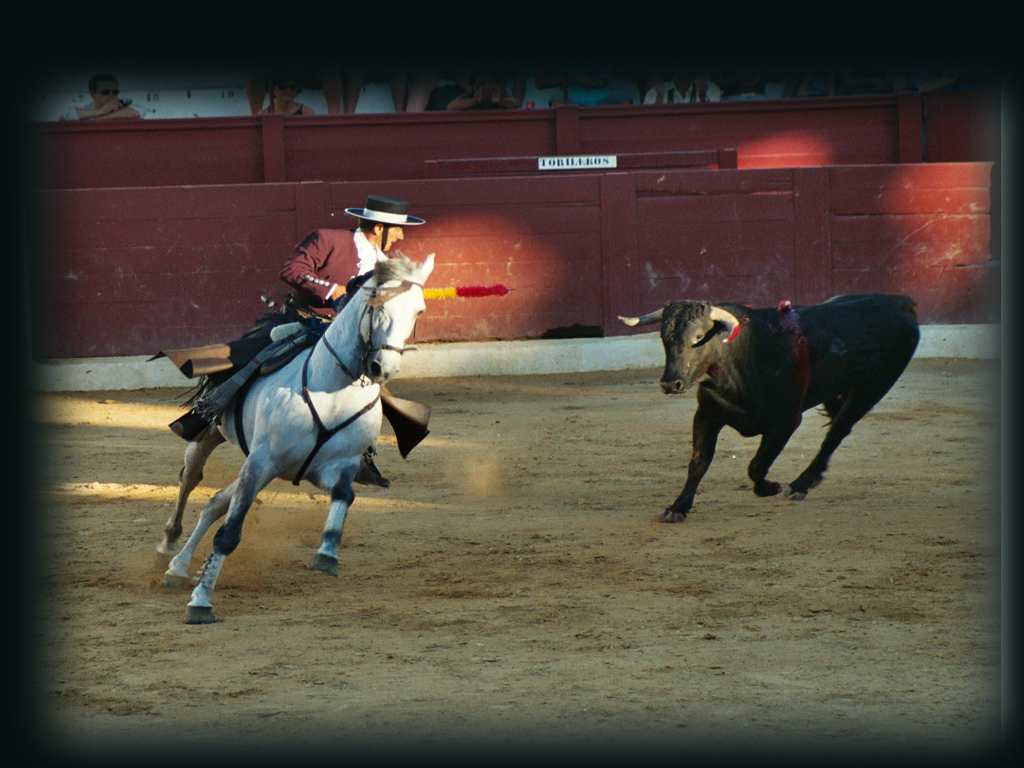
column 177, row 570
column 190, row 476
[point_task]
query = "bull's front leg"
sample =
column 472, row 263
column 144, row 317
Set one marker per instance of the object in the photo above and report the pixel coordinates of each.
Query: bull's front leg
column 707, row 424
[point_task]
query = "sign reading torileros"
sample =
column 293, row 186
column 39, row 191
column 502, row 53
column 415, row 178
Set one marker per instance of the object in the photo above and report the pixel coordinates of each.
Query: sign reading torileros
column 576, row 162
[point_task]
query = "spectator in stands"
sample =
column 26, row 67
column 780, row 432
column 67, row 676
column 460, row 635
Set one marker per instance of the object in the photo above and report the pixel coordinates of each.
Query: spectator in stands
column 812, row 80
column 282, row 99
column 422, row 81
column 434, row 85
column 486, row 91
column 446, row 90
column 744, row 80
column 411, row 87
column 317, row 75
column 857, row 78
column 356, row 77
column 588, row 84
column 740, row 81
column 453, row 82
column 106, row 104
column 927, row 76
column 689, row 85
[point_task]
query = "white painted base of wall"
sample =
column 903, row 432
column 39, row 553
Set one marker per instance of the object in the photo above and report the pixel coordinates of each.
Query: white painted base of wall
column 477, row 358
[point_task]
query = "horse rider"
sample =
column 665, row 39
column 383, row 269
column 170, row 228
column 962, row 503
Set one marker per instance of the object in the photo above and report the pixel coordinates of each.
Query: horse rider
column 323, row 263
column 330, row 262
column 325, row 267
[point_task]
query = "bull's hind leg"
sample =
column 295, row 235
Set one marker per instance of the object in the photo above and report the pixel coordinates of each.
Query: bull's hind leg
column 772, row 443
column 189, row 477
column 845, row 412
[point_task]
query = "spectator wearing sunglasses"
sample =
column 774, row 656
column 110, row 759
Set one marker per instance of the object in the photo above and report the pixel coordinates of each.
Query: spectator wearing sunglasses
column 312, row 74
column 106, row 102
column 282, row 98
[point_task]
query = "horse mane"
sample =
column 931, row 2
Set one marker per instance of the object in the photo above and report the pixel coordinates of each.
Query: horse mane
column 397, row 267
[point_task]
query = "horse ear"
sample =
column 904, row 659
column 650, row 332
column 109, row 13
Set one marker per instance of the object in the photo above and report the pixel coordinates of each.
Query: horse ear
column 426, row 268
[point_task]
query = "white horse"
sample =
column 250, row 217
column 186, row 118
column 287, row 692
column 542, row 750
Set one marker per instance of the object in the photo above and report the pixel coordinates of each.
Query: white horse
column 311, row 420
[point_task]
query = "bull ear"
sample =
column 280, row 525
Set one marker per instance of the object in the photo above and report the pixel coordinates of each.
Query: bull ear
column 653, row 317
column 728, row 320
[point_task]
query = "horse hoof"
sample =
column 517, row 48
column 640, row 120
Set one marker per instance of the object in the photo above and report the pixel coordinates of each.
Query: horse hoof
column 200, row 614
column 321, row 562
column 175, row 580
column 794, row 495
column 168, row 548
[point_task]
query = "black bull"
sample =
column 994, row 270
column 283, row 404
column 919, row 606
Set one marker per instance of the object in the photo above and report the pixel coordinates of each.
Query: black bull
column 758, row 370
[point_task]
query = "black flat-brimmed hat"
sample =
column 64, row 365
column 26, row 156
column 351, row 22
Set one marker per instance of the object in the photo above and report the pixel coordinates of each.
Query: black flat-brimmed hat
column 386, row 210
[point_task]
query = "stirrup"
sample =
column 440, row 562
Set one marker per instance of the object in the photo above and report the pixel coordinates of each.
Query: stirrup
column 368, row 473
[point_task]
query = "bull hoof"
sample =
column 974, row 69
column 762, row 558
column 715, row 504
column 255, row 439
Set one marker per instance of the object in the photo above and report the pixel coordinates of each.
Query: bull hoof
column 794, row 495
column 175, row 580
column 200, row 614
column 672, row 516
column 324, row 563
column 767, row 488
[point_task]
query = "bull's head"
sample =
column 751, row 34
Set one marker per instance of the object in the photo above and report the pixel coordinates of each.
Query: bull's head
column 693, row 333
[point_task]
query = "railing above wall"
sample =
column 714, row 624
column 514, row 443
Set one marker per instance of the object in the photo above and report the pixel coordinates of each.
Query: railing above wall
column 498, row 166
column 791, row 133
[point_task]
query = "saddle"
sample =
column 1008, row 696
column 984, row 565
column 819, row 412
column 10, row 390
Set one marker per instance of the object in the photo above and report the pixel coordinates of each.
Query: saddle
column 226, row 371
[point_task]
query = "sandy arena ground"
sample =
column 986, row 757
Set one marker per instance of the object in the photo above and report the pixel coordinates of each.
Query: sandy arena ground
column 514, row 591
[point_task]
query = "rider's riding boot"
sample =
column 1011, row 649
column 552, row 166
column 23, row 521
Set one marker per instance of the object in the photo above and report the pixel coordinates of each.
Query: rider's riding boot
column 190, row 426
column 368, row 473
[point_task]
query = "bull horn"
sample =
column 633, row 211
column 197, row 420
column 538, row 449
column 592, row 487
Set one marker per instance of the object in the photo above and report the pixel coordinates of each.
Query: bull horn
column 653, row 317
column 728, row 320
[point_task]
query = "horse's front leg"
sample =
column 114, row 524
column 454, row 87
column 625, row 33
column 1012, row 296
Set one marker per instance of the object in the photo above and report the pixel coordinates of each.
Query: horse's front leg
column 342, row 496
column 257, row 471
column 190, row 476
column 177, row 570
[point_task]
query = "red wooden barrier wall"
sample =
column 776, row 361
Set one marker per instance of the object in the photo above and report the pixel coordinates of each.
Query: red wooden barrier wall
column 907, row 128
column 131, row 271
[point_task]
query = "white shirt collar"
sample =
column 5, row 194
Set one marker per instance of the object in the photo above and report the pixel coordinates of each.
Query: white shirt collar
column 369, row 254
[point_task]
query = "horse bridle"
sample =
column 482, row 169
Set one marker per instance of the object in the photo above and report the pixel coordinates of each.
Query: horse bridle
column 377, row 299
